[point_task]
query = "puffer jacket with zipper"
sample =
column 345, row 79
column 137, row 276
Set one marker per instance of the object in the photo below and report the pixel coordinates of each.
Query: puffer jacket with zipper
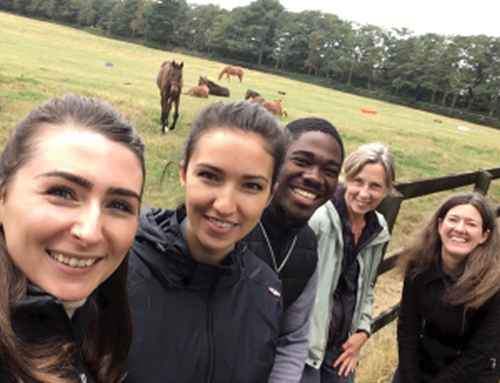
column 194, row 322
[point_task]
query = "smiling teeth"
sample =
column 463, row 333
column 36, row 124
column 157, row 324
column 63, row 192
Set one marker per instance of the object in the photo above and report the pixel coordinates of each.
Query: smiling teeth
column 223, row 224
column 72, row 261
column 305, row 194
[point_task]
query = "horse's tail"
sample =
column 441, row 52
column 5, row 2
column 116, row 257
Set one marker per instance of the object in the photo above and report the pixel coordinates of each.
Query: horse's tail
column 222, row 73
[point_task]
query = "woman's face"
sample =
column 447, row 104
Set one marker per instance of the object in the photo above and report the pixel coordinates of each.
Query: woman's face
column 365, row 190
column 461, row 231
column 228, row 184
column 70, row 213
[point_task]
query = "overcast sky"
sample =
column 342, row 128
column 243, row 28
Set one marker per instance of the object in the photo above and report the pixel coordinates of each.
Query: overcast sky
column 421, row 16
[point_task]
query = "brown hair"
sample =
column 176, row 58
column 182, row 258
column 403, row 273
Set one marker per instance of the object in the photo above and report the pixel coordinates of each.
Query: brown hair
column 246, row 117
column 480, row 278
column 106, row 347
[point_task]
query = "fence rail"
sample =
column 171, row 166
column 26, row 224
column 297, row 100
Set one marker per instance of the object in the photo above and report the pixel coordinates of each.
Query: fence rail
column 391, row 205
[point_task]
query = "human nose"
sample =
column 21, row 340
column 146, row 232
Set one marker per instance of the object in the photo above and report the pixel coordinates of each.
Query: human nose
column 460, row 226
column 313, row 174
column 364, row 191
column 225, row 201
column 87, row 227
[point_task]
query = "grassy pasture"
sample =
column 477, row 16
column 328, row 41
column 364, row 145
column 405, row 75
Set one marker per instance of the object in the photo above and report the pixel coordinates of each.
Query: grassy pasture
column 39, row 60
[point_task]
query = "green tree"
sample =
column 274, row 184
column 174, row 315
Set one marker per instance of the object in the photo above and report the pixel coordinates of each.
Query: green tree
column 163, row 20
column 252, row 33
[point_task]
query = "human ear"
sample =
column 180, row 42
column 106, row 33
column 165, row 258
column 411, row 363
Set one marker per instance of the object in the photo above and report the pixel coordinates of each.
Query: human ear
column 182, row 173
column 486, row 235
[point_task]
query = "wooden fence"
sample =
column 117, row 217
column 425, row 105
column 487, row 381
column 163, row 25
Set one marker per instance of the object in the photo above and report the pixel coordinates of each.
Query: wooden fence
column 406, row 190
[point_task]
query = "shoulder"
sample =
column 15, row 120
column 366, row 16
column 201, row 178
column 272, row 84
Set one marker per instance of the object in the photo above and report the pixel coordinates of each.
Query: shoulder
column 492, row 305
column 384, row 235
column 258, row 271
column 325, row 219
column 307, row 236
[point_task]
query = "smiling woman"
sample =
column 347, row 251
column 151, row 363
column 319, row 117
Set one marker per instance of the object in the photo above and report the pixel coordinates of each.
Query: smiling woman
column 204, row 307
column 448, row 329
column 66, row 227
column 351, row 238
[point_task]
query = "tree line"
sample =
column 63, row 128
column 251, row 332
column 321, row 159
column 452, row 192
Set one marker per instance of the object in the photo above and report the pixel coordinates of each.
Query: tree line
column 454, row 75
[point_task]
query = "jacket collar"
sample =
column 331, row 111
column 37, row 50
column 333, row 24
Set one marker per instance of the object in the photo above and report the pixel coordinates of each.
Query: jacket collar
column 162, row 246
column 278, row 225
column 373, row 226
column 435, row 272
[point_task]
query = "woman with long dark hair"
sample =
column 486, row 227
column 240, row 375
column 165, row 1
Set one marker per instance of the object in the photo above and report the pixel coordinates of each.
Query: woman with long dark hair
column 449, row 323
column 66, row 226
column 205, row 308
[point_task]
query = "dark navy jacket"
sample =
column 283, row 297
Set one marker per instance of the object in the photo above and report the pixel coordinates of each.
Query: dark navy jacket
column 194, row 322
column 39, row 318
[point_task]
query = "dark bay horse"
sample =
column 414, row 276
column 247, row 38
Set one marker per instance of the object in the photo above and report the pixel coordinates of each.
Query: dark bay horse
column 232, row 71
column 169, row 81
column 214, row 88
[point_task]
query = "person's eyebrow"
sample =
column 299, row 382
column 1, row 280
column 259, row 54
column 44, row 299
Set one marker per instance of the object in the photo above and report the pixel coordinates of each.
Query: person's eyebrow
column 310, row 154
column 125, row 193
column 217, row 170
column 86, row 184
column 69, row 177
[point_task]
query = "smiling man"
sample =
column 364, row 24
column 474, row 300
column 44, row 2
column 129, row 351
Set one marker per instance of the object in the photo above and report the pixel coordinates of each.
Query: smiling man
column 284, row 240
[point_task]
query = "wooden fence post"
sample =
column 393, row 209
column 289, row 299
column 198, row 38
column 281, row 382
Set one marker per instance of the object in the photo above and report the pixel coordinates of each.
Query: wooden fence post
column 483, row 181
column 389, row 208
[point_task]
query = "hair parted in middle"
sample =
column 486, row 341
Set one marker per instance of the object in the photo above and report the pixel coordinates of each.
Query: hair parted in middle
column 245, row 116
column 481, row 275
column 371, row 153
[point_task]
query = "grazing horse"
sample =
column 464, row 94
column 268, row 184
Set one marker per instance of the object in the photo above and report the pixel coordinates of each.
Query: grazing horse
column 169, row 81
column 198, row 91
column 214, row 88
column 232, row 71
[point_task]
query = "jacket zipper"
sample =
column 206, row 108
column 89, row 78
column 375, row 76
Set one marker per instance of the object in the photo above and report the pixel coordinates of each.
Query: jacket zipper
column 210, row 338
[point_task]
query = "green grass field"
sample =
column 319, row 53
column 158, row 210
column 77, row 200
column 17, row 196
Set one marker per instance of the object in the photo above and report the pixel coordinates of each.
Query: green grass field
column 39, row 60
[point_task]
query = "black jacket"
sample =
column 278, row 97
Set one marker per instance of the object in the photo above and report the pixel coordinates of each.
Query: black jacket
column 302, row 261
column 441, row 343
column 39, row 317
column 194, row 322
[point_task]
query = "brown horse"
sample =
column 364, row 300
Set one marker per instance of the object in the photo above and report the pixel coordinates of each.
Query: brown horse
column 169, row 81
column 198, row 91
column 232, row 71
column 275, row 107
column 214, row 88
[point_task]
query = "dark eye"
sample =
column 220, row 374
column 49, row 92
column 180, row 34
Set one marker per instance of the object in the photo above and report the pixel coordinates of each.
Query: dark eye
column 331, row 172
column 209, row 176
column 300, row 161
column 253, row 186
column 62, row 192
column 122, row 206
